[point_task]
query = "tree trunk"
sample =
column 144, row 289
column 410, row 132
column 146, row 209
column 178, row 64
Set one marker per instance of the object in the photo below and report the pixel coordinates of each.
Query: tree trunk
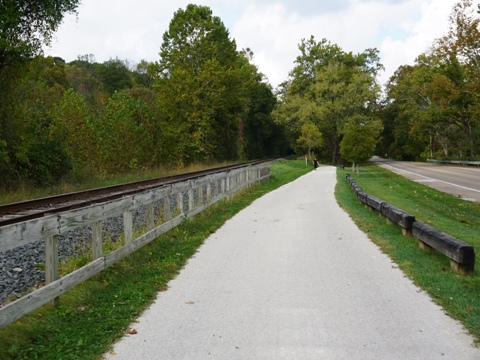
column 471, row 138
column 431, row 147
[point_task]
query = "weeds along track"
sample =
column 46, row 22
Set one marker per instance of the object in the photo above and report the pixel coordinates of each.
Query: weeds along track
column 31, row 209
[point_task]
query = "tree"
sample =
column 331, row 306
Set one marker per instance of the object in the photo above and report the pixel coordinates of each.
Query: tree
column 310, row 138
column 459, row 49
column 259, row 135
column 72, row 126
column 436, row 100
column 125, row 135
column 422, row 99
column 200, row 88
column 327, row 88
column 358, row 143
column 115, row 75
column 44, row 160
column 82, row 76
column 141, row 75
column 193, row 38
column 25, row 26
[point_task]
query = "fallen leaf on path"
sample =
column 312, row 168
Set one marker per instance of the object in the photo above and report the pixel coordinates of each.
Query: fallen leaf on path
column 132, row 331
column 190, row 302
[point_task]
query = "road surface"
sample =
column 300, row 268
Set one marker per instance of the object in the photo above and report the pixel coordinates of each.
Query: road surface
column 292, row 277
column 463, row 182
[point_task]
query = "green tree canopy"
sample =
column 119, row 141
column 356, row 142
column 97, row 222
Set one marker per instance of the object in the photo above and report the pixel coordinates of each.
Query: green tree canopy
column 358, row 143
column 25, row 25
column 202, row 87
column 328, row 87
column 115, row 75
column 195, row 37
column 436, row 101
column 310, row 138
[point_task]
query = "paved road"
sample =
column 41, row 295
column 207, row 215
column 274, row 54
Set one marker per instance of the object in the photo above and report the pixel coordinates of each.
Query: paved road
column 459, row 181
column 292, row 277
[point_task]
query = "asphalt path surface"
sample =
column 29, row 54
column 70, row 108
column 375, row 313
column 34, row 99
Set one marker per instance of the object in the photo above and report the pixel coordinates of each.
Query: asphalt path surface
column 292, row 277
column 463, row 182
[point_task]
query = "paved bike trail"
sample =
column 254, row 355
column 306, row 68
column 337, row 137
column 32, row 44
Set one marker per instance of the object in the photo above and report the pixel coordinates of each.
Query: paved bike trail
column 292, row 277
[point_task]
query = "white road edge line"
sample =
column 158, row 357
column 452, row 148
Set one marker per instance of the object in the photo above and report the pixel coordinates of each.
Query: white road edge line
column 426, row 177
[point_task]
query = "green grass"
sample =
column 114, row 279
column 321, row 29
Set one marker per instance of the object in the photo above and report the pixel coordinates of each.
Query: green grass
column 96, row 313
column 459, row 295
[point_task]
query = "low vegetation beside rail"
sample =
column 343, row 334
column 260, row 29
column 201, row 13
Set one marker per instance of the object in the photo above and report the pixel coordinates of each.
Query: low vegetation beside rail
column 94, row 314
column 459, row 295
column 26, row 191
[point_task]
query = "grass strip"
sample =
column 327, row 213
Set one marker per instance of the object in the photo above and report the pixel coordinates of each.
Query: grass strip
column 97, row 312
column 459, row 295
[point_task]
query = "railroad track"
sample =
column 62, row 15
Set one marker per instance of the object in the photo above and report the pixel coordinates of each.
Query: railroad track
column 31, row 209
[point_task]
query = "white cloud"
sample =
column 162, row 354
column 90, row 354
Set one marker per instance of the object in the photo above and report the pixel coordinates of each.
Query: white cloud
column 433, row 23
column 400, row 29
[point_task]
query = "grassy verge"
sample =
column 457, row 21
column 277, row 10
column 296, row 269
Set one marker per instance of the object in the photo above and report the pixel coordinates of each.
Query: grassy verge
column 93, row 315
column 458, row 295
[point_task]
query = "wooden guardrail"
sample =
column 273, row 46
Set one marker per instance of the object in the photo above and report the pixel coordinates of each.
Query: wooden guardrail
column 461, row 254
column 198, row 195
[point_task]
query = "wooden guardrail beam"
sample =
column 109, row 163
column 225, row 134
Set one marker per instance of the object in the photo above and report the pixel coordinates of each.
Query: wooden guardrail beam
column 398, row 216
column 461, row 254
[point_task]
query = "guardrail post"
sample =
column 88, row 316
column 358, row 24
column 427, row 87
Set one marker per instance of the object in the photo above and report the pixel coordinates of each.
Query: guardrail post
column 150, row 217
column 228, row 181
column 209, row 189
column 51, row 263
column 180, row 202
column 128, row 227
column 191, row 199
column 97, row 242
column 166, row 207
column 198, row 200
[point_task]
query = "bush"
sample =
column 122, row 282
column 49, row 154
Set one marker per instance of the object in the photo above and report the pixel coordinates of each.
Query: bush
column 48, row 162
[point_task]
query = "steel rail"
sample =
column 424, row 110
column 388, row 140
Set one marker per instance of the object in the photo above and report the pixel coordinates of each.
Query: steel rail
column 31, row 209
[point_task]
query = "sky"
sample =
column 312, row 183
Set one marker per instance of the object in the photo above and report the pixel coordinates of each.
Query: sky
column 132, row 30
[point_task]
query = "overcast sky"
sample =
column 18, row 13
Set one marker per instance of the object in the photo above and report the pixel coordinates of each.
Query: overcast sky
column 132, row 30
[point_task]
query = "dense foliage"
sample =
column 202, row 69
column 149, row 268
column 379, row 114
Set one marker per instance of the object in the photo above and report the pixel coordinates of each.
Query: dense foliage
column 205, row 88
column 433, row 106
column 203, row 100
column 334, row 93
column 25, row 25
